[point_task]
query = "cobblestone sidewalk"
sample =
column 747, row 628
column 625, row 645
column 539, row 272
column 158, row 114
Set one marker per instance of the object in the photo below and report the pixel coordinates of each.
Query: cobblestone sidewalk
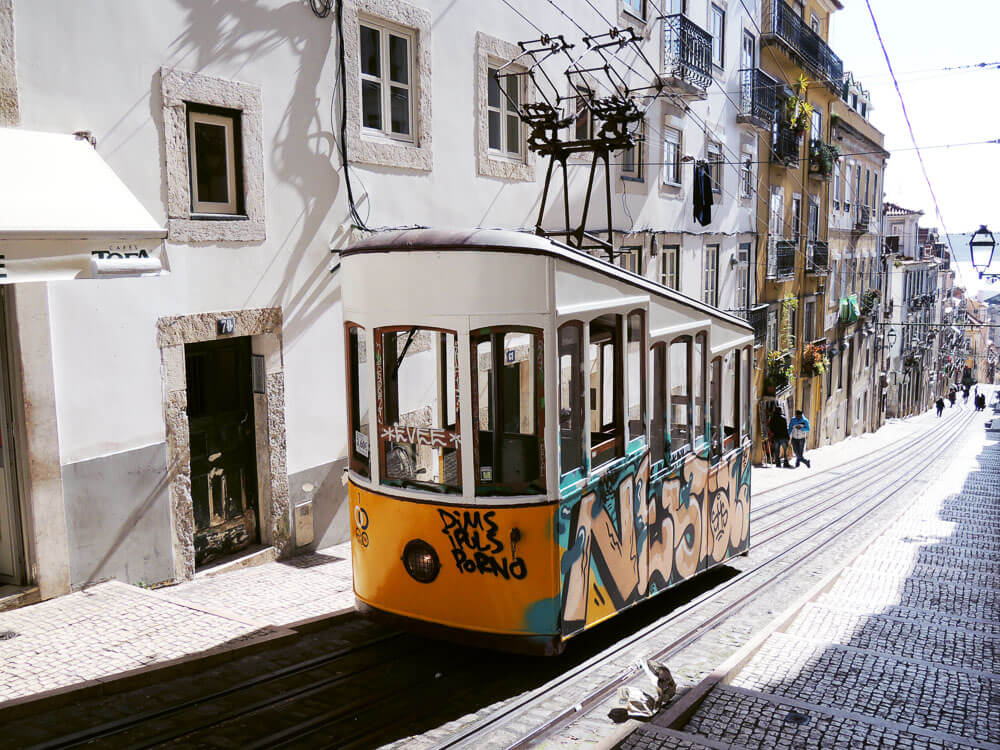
column 902, row 650
column 113, row 628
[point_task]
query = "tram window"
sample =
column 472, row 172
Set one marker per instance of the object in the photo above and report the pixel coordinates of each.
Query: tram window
column 507, row 409
column 730, row 401
column 680, row 396
column 636, row 377
column 606, row 428
column 698, row 391
column 571, row 397
column 715, row 406
column 745, row 388
column 418, row 424
column 657, row 430
column 359, row 377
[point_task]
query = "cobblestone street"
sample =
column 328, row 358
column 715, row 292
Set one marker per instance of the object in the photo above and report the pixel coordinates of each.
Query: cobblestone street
column 900, row 650
column 113, row 628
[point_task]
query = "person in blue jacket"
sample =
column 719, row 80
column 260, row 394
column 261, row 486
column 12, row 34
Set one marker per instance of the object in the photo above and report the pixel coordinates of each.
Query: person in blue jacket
column 799, row 429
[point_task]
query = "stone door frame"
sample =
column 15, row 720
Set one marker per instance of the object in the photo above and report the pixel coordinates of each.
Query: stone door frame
column 264, row 326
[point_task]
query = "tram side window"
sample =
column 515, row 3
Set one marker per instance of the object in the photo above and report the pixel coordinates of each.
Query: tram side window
column 680, row 396
column 636, row 376
column 418, row 424
column 747, row 380
column 698, row 377
column 507, row 410
column 606, row 387
column 571, row 409
column 359, row 378
column 730, row 413
column 715, row 405
column 658, row 437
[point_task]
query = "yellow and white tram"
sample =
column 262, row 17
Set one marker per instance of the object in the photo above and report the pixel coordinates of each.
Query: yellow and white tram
column 538, row 439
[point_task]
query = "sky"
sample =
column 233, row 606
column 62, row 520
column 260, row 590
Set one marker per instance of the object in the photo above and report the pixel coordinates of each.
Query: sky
column 945, row 107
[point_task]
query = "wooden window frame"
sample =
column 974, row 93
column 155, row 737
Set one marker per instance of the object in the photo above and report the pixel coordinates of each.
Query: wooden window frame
column 359, row 464
column 231, row 121
column 504, row 111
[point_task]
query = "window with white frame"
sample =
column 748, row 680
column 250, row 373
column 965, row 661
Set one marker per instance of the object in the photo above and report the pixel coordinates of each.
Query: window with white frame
column 630, row 258
column 636, row 7
column 216, row 159
column 847, row 188
column 771, row 335
column 746, row 175
column 583, row 121
column 386, row 58
column 796, row 217
column 714, row 152
column 671, row 156
column 814, row 23
column 711, row 286
column 503, row 123
column 631, row 167
column 743, row 275
column 717, row 19
column 670, row 266
column 836, row 186
column 809, row 321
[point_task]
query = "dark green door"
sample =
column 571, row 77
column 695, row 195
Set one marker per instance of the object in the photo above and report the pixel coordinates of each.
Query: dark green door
column 223, row 450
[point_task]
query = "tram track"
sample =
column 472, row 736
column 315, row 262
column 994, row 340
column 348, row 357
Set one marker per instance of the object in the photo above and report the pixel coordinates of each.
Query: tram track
column 477, row 733
column 346, row 719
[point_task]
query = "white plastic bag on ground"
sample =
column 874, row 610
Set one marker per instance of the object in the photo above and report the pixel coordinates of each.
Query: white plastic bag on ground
column 636, row 703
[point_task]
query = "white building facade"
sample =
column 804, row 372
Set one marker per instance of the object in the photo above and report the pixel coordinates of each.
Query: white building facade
column 166, row 423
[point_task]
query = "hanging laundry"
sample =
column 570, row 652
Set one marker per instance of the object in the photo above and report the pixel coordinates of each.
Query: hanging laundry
column 702, row 194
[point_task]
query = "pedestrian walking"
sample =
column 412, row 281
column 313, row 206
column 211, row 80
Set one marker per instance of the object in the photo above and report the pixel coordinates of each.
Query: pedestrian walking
column 951, row 396
column 940, row 405
column 799, row 427
column 779, row 437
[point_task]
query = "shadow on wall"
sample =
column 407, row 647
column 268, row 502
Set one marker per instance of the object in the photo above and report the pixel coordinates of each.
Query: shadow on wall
column 301, row 153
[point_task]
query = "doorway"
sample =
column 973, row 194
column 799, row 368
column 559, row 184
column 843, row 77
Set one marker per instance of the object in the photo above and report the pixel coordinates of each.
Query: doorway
column 11, row 558
column 223, row 447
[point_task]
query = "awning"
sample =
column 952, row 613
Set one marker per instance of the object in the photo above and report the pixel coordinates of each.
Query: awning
column 64, row 214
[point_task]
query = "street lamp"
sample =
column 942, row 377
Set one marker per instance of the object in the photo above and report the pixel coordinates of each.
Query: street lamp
column 891, row 337
column 981, row 247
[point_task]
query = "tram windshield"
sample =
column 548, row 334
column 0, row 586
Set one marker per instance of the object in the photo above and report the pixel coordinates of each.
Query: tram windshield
column 418, row 424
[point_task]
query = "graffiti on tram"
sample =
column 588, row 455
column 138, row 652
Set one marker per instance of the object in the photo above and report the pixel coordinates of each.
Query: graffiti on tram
column 476, row 546
column 627, row 537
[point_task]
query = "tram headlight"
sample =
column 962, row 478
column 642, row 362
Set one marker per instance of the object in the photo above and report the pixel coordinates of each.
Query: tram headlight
column 421, row 561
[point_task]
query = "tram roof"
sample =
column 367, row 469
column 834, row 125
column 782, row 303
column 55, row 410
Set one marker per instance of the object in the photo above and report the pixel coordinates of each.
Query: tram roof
column 505, row 240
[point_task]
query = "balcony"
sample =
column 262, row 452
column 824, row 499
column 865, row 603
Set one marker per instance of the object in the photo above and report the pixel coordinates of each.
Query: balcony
column 687, row 55
column 780, row 259
column 783, row 27
column 862, row 219
column 758, row 98
column 756, row 316
column 817, row 258
column 822, row 157
column 786, row 147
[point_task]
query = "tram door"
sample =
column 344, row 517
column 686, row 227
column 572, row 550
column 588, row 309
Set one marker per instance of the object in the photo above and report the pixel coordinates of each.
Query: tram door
column 223, row 447
column 10, row 567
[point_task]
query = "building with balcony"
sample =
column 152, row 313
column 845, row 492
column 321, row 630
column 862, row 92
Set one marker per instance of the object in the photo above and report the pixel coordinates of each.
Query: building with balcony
column 854, row 160
column 794, row 245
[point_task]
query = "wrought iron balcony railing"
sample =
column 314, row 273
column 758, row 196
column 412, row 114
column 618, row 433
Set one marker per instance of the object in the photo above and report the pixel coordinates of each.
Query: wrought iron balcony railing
column 817, row 258
column 780, row 258
column 756, row 316
column 862, row 220
column 786, row 147
column 758, row 97
column 781, row 23
column 687, row 51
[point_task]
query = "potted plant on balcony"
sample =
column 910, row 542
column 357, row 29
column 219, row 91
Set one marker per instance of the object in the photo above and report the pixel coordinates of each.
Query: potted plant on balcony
column 822, row 157
column 814, row 360
column 778, row 373
column 870, row 300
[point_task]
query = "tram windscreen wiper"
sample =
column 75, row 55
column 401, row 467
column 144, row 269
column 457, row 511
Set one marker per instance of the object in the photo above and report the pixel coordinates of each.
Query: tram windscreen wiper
column 402, row 354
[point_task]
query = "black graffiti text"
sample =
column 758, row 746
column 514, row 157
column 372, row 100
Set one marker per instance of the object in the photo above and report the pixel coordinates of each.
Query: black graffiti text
column 476, row 546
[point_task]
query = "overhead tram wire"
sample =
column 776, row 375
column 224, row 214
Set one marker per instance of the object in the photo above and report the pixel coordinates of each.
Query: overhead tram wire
column 679, row 101
column 913, row 137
